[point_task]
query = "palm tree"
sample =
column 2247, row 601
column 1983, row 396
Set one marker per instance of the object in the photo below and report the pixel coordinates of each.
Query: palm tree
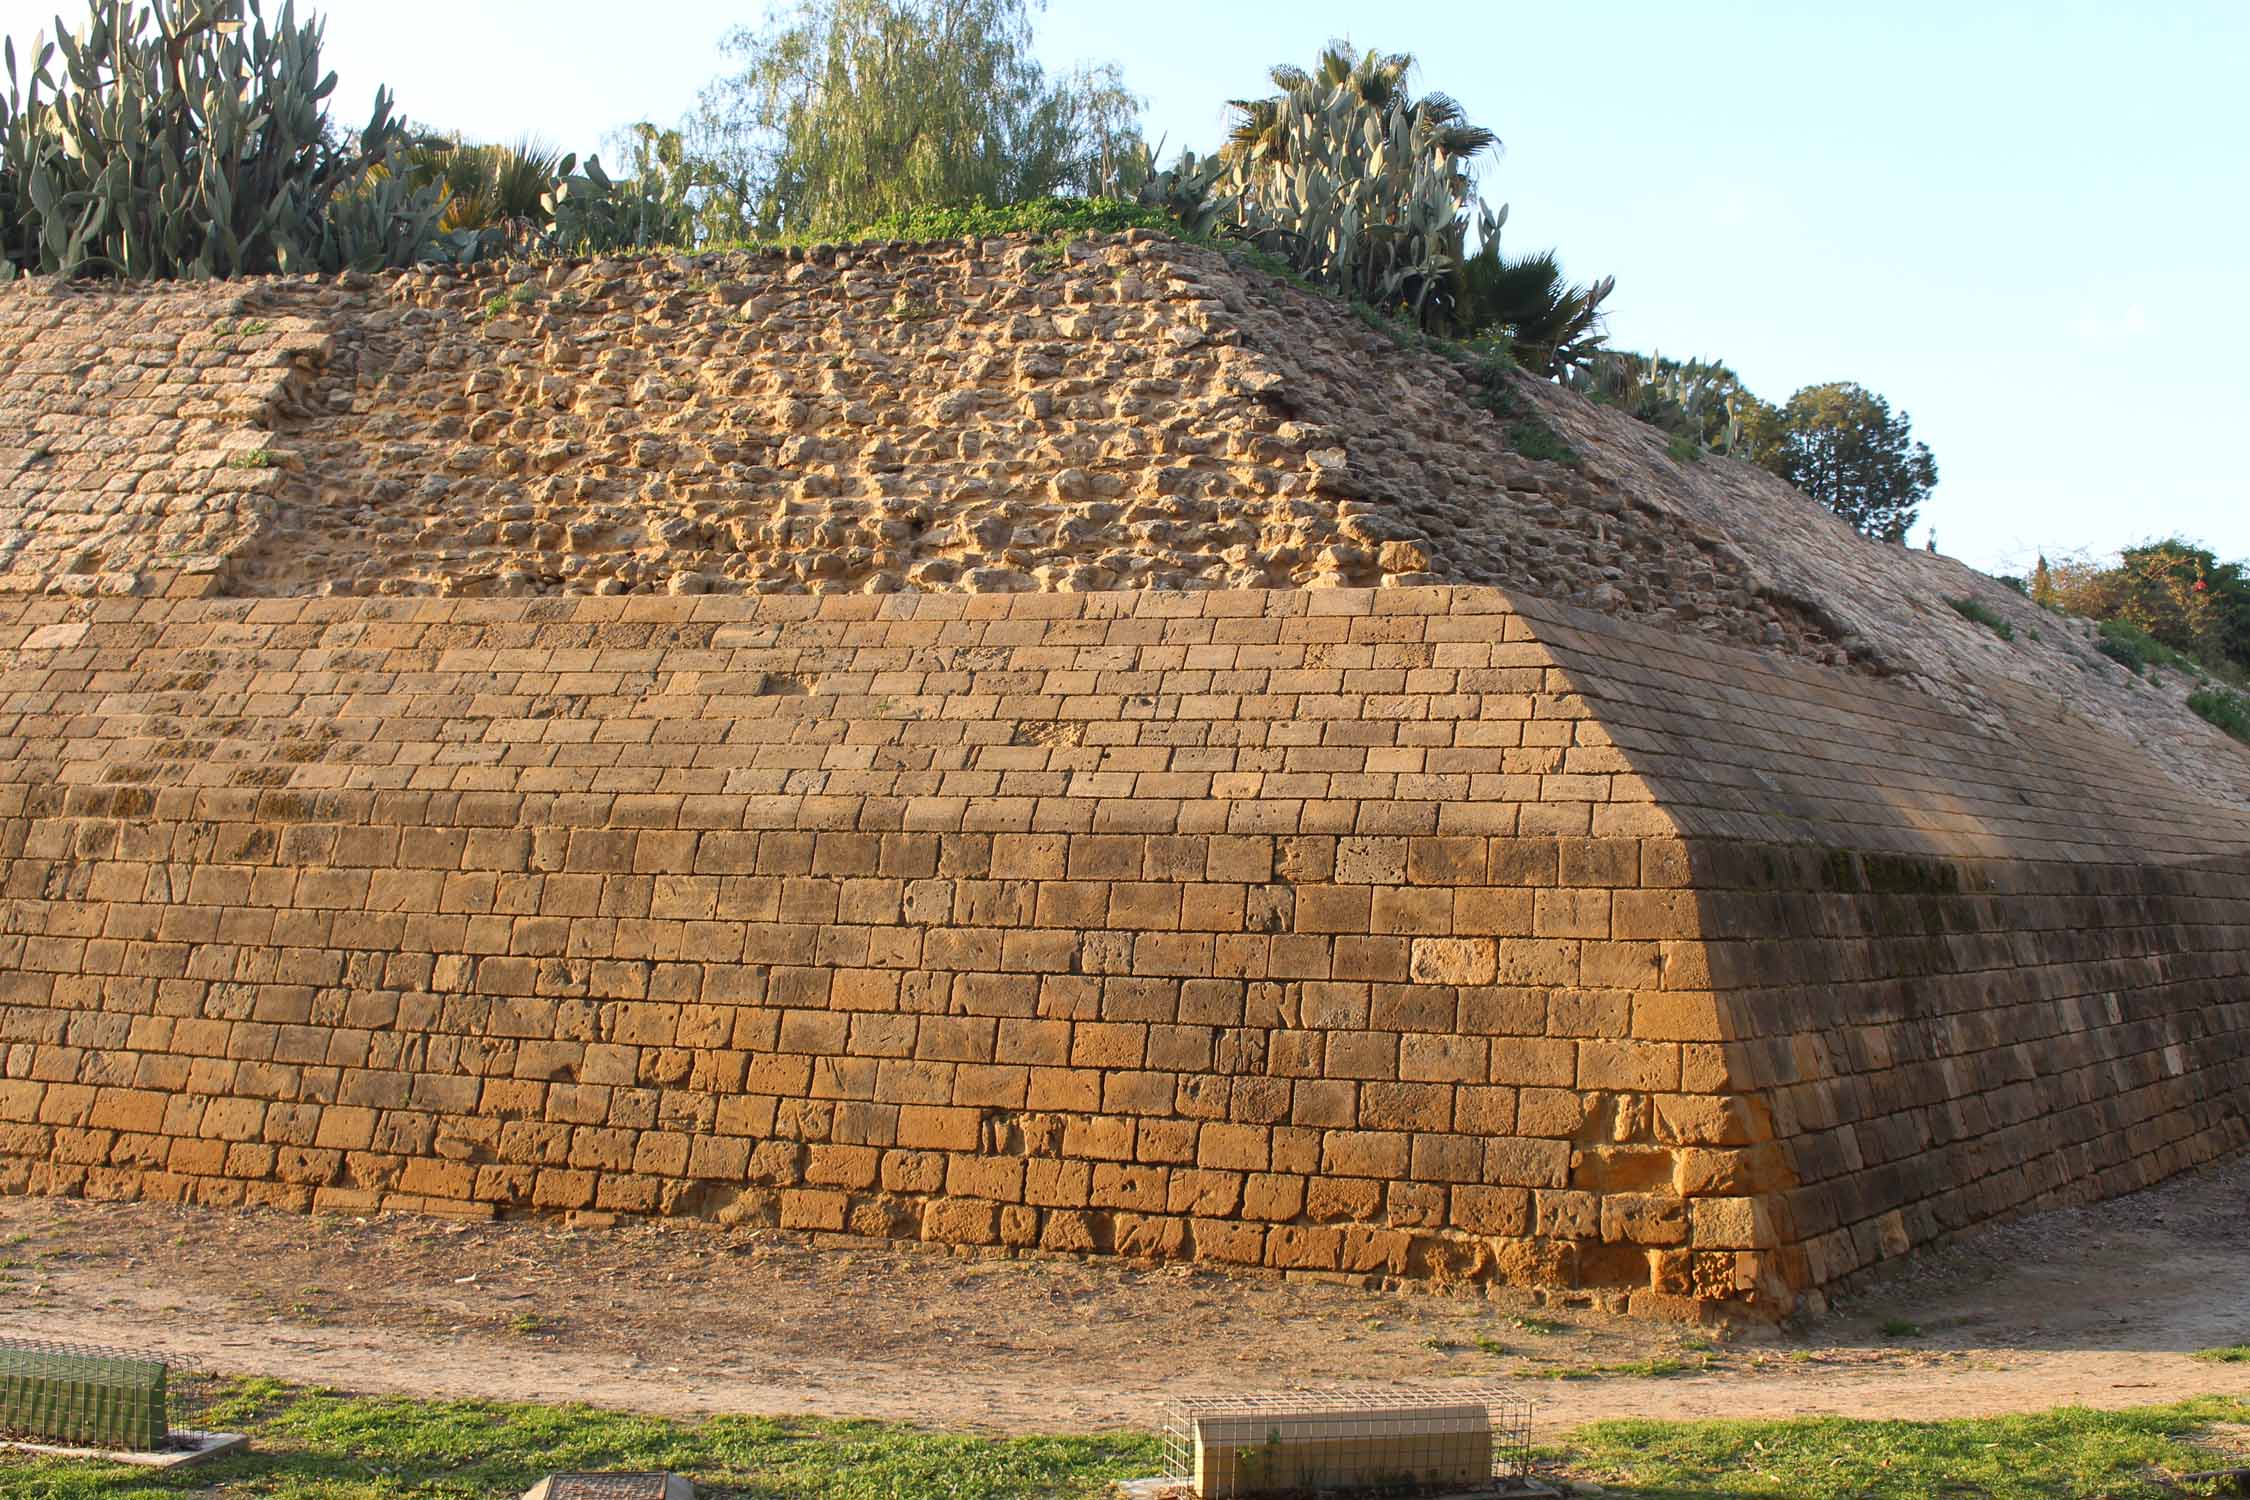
column 1554, row 326
column 488, row 187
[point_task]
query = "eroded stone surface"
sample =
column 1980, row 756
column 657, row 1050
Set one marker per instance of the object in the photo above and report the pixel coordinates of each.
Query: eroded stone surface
column 992, row 417
column 132, row 426
column 988, row 417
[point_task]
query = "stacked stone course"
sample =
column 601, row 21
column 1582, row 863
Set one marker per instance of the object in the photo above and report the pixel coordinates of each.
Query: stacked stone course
column 1389, row 933
column 1969, row 973
column 132, row 433
column 1315, row 931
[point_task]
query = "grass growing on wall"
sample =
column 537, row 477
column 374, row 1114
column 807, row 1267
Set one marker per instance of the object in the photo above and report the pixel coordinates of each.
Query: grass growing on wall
column 2135, row 649
column 1981, row 614
column 2230, row 711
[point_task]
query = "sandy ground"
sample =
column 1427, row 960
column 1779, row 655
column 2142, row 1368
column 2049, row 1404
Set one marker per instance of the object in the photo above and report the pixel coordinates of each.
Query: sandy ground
column 2097, row 1306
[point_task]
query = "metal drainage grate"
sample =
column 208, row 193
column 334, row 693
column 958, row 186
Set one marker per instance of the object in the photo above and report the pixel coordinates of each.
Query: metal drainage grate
column 612, row 1487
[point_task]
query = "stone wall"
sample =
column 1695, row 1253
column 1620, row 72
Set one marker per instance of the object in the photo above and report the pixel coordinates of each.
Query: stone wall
column 1970, row 972
column 132, row 449
column 988, row 416
column 1420, row 932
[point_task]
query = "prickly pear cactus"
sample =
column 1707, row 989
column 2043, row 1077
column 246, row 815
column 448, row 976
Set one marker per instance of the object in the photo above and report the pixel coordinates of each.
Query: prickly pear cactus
column 191, row 138
column 1360, row 188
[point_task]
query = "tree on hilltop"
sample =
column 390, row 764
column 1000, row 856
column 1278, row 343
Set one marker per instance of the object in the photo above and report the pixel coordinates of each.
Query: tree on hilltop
column 1841, row 444
column 847, row 111
column 2173, row 590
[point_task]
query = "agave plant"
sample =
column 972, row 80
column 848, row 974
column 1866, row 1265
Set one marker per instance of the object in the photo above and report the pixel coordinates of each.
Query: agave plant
column 13, row 205
column 1188, row 191
column 190, row 138
column 1378, row 81
column 1702, row 400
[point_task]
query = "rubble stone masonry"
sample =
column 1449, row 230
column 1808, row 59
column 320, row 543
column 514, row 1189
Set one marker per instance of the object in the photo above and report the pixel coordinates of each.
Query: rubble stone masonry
column 1421, row 931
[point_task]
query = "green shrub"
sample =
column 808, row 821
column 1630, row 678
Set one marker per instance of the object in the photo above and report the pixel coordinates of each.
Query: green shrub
column 1533, row 438
column 1048, row 216
column 2230, row 711
column 1980, row 614
column 2172, row 591
column 1701, row 400
column 2135, row 649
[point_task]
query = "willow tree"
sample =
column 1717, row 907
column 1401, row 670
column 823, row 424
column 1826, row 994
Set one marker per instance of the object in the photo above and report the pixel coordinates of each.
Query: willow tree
column 843, row 111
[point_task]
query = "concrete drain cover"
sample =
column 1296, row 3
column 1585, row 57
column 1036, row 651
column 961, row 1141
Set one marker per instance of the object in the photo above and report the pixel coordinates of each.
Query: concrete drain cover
column 612, row 1487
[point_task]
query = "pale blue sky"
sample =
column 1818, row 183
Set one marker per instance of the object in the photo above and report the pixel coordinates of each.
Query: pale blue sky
column 2023, row 223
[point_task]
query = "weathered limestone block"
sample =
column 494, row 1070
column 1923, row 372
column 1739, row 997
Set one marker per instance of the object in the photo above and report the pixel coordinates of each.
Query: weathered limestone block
column 1254, row 927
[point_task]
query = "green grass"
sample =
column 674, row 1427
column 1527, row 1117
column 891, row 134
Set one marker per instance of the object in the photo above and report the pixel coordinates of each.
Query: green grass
column 251, row 458
column 1636, row 1369
column 500, row 304
column 2060, row 1455
column 312, row 1445
column 1535, row 439
column 2229, row 711
column 1050, row 217
column 2228, row 1354
column 315, row 1445
column 1684, row 449
column 1900, row 1328
column 1528, row 432
column 1981, row 614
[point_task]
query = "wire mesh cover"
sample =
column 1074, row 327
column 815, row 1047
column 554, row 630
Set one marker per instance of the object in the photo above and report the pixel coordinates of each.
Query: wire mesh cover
column 75, row 1359
column 82, row 1393
column 1226, row 1447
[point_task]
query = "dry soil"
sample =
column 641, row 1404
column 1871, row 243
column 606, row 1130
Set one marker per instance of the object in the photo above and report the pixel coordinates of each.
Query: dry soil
column 2100, row 1306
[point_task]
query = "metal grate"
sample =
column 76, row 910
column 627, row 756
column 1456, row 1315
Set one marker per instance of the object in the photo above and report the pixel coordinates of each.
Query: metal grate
column 656, row 1486
column 1402, row 1441
column 82, row 1393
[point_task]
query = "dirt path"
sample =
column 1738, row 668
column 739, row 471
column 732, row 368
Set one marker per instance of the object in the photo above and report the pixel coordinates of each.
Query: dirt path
column 2098, row 1306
